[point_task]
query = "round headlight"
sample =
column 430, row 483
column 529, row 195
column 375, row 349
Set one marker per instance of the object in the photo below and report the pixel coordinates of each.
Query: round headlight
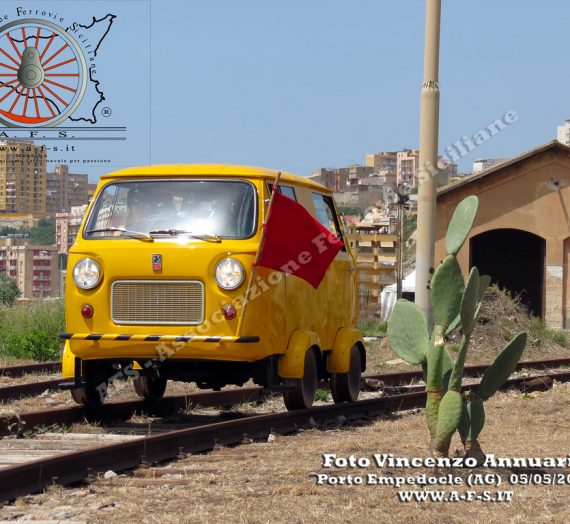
column 230, row 273
column 87, row 273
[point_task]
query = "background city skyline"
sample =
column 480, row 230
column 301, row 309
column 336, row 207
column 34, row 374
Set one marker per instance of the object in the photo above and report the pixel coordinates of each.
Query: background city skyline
column 308, row 85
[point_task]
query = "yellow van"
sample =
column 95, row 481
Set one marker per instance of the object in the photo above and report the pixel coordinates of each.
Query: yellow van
column 156, row 281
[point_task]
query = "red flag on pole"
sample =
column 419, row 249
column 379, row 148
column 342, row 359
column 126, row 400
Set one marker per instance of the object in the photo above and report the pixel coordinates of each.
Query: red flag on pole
column 296, row 243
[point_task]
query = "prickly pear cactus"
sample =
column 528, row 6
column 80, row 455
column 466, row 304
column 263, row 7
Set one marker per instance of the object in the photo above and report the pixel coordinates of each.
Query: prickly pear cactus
column 408, row 332
column 504, row 365
column 455, row 304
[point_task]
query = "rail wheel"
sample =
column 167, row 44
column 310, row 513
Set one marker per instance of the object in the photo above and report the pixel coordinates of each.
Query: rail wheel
column 150, row 386
column 300, row 392
column 345, row 387
column 88, row 396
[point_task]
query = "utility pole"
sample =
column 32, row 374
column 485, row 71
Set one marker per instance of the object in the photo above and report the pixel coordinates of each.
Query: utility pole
column 429, row 124
column 403, row 192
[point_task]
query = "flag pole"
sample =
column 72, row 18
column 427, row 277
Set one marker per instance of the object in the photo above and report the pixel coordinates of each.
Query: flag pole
column 258, row 254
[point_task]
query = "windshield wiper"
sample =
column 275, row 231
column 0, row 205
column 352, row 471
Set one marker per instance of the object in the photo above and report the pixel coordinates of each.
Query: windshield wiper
column 175, row 232
column 127, row 232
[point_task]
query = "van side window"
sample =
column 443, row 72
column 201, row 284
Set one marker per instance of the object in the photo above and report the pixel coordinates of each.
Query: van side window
column 288, row 191
column 326, row 214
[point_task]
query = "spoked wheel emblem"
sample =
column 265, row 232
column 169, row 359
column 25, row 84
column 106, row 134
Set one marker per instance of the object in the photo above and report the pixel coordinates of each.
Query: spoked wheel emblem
column 43, row 74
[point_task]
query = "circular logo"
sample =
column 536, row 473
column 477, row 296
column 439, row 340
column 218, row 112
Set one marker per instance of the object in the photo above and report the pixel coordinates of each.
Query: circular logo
column 43, row 74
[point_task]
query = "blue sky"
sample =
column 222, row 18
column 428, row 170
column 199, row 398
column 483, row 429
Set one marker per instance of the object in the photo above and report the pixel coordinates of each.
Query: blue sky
column 302, row 84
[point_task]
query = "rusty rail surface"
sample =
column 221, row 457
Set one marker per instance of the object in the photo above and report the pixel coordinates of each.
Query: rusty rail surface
column 28, row 390
column 473, row 370
column 126, row 409
column 25, row 369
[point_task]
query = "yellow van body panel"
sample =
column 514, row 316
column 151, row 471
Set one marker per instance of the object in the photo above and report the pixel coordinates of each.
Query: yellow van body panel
column 67, row 361
column 338, row 360
column 292, row 363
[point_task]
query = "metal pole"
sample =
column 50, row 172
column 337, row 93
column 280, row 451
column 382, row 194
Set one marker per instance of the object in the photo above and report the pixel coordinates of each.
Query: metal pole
column 399, row 271
column 429, row 124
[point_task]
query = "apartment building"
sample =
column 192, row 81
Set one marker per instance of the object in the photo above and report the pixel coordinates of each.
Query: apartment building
column 91, row 190
column 484, row 163
column 385, row 164
column 334, row 178
column 22, row 178
column 356, row 172
column 67, row 226
column 408, row 166
column 34, row 267
column 65, row 189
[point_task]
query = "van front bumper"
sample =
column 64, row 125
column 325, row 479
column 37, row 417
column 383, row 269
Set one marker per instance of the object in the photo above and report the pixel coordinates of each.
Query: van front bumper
column 128, row 346
column 158, row 338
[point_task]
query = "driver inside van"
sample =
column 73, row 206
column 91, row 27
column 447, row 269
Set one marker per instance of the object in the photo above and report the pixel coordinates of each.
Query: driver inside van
column 148, row 209
column 210, row 210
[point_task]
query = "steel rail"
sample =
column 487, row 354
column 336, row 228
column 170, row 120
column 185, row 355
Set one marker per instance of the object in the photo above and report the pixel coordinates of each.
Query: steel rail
column 471, row 370
column 29, row 389
column 75, row 466
column 125, row 409
column 25, row 369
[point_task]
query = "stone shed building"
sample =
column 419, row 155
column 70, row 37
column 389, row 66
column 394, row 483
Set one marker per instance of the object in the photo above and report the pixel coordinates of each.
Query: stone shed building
column 521, row 235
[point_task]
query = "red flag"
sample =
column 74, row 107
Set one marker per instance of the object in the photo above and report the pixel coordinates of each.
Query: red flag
column 296, row 243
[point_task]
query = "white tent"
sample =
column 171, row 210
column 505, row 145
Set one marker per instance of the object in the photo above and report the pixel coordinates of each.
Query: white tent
column 388, row 295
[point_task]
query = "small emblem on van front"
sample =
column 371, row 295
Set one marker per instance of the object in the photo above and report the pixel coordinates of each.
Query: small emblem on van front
column 156, row 262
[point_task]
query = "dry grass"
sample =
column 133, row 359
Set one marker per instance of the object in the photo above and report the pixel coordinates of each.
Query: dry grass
column 274, row 482
column 501, row 317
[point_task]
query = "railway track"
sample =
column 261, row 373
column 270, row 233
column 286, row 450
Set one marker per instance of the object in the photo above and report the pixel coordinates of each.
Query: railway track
column 14, row 391
column 64, row 463
column 396, row 378
column 25, row 422
column 28, row 390
column 27, row 369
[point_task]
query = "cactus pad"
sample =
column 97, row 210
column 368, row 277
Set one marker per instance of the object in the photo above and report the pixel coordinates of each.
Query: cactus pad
column 454, row 325
column 460, row 224
column 484, row 282
column 408, row 332
column 504, row 365
column 446, row 291
column 457, row 372
column 469, row 302
column 472, row 419
column 476, row 411
column 449, row 415
column 446, row 368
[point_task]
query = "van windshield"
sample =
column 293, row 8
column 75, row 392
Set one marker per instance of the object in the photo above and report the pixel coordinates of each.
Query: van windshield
column 220, row 208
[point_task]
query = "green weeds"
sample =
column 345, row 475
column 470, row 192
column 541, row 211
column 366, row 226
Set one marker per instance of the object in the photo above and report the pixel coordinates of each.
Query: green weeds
column 30, row 331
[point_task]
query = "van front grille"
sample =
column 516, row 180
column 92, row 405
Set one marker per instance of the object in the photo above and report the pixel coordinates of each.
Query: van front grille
column 158, row 302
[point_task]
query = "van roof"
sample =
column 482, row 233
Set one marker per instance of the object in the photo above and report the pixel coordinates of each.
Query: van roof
column 215, row 170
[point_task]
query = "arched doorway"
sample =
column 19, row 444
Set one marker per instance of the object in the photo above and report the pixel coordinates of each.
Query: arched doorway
column 515, row 260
